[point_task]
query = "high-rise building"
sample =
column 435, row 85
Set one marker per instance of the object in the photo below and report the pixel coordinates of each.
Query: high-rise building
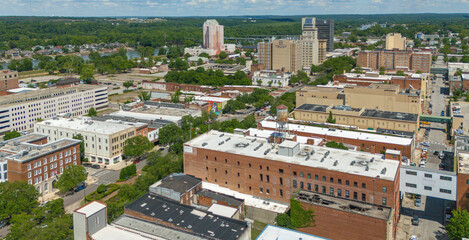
column 285, row 55
column 322, row 50
column 395, row 41
column 326, row 31
column 264, row 51
column 405, row 60
column 309, row 39
column 213, row 35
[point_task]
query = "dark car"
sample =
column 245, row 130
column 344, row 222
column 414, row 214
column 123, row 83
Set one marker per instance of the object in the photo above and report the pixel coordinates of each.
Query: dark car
column 95, row 166
column 436, row 153
column 161, row 149
column 415, row 220
column 443, row 113
column 86, row 164
column 81, row 187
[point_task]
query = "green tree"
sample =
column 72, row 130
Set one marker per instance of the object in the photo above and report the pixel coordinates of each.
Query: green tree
column 284, row 220
column 330, row 119
column 128, row 84
column 458, row 226
column 453, row 59
column 400, row 73
column 352, row 38
column 300, row 217
column 11, row 135
column 71, row 177
column 358, row 69
column 465, row 59
column 87, row 73
column 222, row 55
column 92, row 112
column 205, row 55
column 128, row 172
column 16, row 198
column 382, row 70
column 82, row 145
column 299, row 77
column 144, row 96
column 136, row 146
column 232, row 105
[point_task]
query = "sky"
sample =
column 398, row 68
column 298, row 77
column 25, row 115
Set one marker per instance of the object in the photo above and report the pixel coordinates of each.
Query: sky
column 102, row 8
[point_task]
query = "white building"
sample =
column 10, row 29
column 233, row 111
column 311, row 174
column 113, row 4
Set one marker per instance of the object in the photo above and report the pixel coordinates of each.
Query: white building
column 20, row 111
column 270, row 78
column 213, row 35
column 196, row 51
column 104, row 141
column 310, row 42
column 279, row 233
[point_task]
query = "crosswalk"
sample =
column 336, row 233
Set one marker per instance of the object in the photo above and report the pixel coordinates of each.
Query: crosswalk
column 100, row 173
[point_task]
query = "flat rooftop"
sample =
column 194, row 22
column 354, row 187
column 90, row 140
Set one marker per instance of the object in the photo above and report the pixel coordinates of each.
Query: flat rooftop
column 22, row 150
column 321, row 89
column 357, row 163
column 189, row 218
column 342, row 133
column 179, row 182
column 313, row 107
column 165, row 111
column 233, row 201
column 222, row 210
column 85, row 124
column 91, row 208
column 30, row 96
column 346, row 205
column 148, row 116
column 279, row 233
column 463, row 163
column 157, row 123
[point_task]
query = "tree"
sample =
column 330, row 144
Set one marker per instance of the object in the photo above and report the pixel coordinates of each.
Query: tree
column 358, row 69
column 222, row 55
column 453, row 59
column 284, row 220
column 352, row 38
column 465, row 59
column 144, row 96
column 101, row 188
column 400, row 73
column 82, row 145
column 205, row 55
column 419, row 72
column 232, row 105
column 136, row 146
column 300, row 217
column 458, row 226
column 330, row 119
column 71, row 177
column 382, row 70
column 128, row 84
column 87, row 73
column 16, row 198
column 11, row 135
column 259, row 82
column 128, row 172
column 92, row 112
column 299, row 77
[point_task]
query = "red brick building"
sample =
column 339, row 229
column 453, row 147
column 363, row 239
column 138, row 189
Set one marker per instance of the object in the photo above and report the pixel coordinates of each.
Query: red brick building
column 415, row 81
column 173, row 87
column 254, row 166
column 8, row 79
column 396, row 60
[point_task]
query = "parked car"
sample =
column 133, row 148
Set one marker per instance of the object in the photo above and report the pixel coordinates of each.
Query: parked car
column 413, row 237
column 418, row 202
column 425, row 149
column 81, row 187
column 442, row 155
column 443, row 113
column 422, row 165
column 86, row 164
column 95, row 166
column 413, row 164
column 415, row 220
column 137, row 161
column 161, row 149
column 436, row 153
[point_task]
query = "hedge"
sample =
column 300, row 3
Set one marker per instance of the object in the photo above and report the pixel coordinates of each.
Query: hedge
column 110, row 188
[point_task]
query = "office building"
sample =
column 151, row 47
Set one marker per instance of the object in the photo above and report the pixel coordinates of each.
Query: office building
column 394, row 60
column 8, row 80
column 254, row 166
column 322, row 50
column 33, row 159
column 20, row 111
column 264, row 51
column 270, row 78
column 384, row 97
column 395, row 41
column 309, row 39
column 326, row 31
column 213, row 35
column 285, row 55
column 104, row 141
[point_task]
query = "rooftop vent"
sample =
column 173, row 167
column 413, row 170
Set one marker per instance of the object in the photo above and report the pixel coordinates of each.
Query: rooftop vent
column 336, row 162
column 253, row 140
column 221, row 135
column 352, row 163
column 267, row 151
column 312, row 152
column 220, row 143
column 372, row 159
column 307, row 158
column 303, row 153
column 327, row 154
column 322, row 159
column 260, row 145
column 383, row 171
column 228, row 139
column 367, row 168
column 243, row 145
column 204, row 144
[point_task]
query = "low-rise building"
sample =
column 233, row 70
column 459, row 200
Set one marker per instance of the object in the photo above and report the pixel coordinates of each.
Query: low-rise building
column 271, row 78
column 360, row 117
column 272, row 232
column 20, row 111
column 31, row 158
column 8, row 80
column 104, row 141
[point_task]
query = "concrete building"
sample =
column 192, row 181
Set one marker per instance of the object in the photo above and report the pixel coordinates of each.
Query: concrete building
column 20, row 111
column 326, row 31
column 8, row 80
column 384, row 97
column 264, row 51
column 31, row 158
column 254, row 166
column 196, row 51
column 271, row 78
column 213, row 35
column 405, row 60
column 309, row 39
column 284, row 54
column 104, row 141
column 322, row 50
column 395, row 41
column 360, row 117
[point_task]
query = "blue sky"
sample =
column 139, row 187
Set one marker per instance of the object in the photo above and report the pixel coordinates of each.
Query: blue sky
column 225, row 7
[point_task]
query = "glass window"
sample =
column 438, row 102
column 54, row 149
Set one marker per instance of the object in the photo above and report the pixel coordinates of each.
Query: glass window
column 301, row 174
column 339, row 192
column 427, row 188
column 383, row 201
column 294, row 184
column 347, row 194
column 385, row 189
column 331, row 191
column 412, row 185
column 446, row 178
column 316, row 187
column 347, row 182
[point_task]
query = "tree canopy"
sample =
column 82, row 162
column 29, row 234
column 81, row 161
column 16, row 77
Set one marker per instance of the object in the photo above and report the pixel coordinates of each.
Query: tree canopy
column 11, row 135
column 71, row 177
column 458, row 226
column 16, row 198
column 136, row 146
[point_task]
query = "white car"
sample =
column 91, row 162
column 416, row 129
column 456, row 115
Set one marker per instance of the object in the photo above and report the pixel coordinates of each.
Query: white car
column 422, row 165
column 425, row 150
column 414, row 237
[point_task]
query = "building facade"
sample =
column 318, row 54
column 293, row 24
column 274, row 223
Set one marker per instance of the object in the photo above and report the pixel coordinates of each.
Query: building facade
column 20, row 111
column 213, row 35
column 8, row 80
column 285, row 55
column 394, row 60
column 322, row 50
column 30, row 158
column 395, row 41
column 326, row 31
column 270, row 78
column 309, row 39
column 104, row 141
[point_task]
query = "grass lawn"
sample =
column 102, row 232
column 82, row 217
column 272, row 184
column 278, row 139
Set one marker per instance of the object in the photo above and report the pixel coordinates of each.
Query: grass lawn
column 257, row 228
column 32, row 72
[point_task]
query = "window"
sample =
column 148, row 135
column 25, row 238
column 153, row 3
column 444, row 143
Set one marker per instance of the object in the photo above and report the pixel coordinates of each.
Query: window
column 261, row 190
column 339, row 181
column 347, row 194
column 29, row 167
column 238, row 174
column 428, row 175
column 323, row 178
column 355, row 184
column 385, row 189
column 45, row 160
column 324, row 189
column 309, row 186
column 316, row 187
column 267, row 178
column 383, row 201
column 260, row 167
column 331, row 180
column 294, row 173
column 302, row 186
column 294, row 184
column 347, row 182
column 331, row 191
column 309, row 175
column 446, row 178
column 45, row 168
column 355, row 195
column 249, row 165
column 363, row 185
column 29, row 174
column 363, row 197
column 339, row 192
column 281, row 181
column 249, row 176
column 267, row 191
column 316, row 177
column 226, row 161
column 281, row 193
column 301, row 174
column 467, row 181
column 411, row 185
column 445, row 191
column 427, row 188
column 261, row 177
column 411, row 172
column 280, row 170
column 238, row 163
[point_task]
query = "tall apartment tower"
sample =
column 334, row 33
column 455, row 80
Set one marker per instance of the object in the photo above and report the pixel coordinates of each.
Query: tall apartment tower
column 395, row 41
column 326, row 31
column 285, row 55
column 213, row 35
column 322, row 50
column 309, row 38
column 264, row 51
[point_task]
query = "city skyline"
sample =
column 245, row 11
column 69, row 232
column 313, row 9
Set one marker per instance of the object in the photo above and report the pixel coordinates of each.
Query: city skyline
column 179, row 8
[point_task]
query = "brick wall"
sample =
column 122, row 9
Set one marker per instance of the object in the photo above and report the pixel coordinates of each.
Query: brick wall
column 462, row 199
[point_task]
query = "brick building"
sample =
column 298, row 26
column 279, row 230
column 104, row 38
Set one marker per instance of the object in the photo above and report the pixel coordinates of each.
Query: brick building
column 8, row 79
column 30, row 158
column 178, row 187
column 365, row 141
column 173, row 87
column 254, row 166
column 406, row 60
